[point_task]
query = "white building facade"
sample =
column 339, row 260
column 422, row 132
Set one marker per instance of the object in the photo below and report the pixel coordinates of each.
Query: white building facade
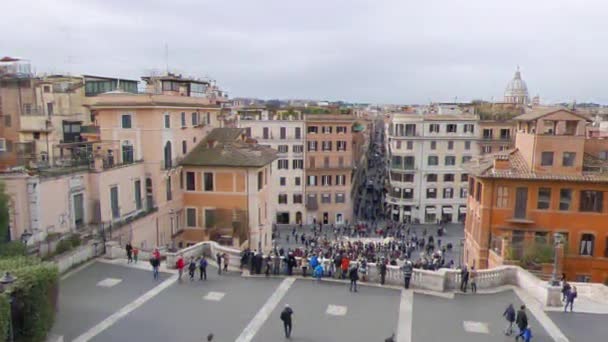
column 425, row 154
column 288, row 138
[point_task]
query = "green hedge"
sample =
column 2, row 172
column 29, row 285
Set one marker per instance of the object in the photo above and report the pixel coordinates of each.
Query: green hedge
column 13, row 248
column 35, row 294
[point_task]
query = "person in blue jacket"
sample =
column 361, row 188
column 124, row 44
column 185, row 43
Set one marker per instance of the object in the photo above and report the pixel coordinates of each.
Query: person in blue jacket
column 318, row 271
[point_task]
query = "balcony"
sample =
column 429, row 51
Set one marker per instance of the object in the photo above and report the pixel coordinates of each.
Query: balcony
column 36, row 124
column 89, row 129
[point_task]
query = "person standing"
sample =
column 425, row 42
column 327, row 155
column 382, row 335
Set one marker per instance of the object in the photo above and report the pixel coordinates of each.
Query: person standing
column 218, row 259
column 509, row 315
column 472, row 277
column 382, row 271
column 353, row 275
column 522, row 322
column 155, row 262
column 202, row 268
column 286, row 318
column 129, row 250
column 408, row 268
column 180, row 264
column 226, row 260
column 570, row 298
column 191, row 268
column 464, row 279
column 565, row 289
column 345, row 264
column 135, row 254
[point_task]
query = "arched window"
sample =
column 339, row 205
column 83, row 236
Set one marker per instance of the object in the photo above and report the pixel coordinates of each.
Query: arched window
column 587, row 244
column 168, row 155
column 184, row 147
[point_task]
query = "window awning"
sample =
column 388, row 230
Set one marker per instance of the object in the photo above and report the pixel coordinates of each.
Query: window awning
column 430, row 210
column 447, row 210
column 407, row 213
column 463, row 210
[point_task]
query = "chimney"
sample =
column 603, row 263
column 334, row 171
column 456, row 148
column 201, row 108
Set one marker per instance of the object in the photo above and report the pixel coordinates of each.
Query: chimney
column 501, row 162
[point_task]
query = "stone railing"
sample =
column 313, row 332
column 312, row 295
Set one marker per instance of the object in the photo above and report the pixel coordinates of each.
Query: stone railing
column 441, row 280
column 74, row 258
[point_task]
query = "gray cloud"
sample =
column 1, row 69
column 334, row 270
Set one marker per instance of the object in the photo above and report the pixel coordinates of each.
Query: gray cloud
column 373, row 51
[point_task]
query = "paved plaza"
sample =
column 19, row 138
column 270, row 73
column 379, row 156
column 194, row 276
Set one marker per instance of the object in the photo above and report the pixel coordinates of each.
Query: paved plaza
column 111, row 301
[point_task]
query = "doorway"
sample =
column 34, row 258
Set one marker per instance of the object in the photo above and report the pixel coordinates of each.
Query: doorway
column 78, row 210
column 325, row 218
column 283, row 218
column 299, row 217
column 339, row 218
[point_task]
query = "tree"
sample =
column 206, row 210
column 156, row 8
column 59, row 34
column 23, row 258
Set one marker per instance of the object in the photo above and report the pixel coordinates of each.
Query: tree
column 4, row 218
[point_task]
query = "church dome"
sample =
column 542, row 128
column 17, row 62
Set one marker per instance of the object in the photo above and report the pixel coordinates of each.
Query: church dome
column 517, row 91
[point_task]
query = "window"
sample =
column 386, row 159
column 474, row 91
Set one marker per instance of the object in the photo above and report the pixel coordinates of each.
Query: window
column 137, row 194
column 311, row 181
column 282, row 198
column 208, row 181
column 408, row 193
column 298, row 148
column 591, row 201
column 603, row 155
column 341, row 129
column 8, row 144
column 127, row 152
column 450, row 160
column 464, row 177
column 169, row 190
column 433, row 145
column 326, row 129
column 448, row 177
column 312, row 130
column 283, row 148
column 298, row 181
column 340, row 198
column 190, row 181
column 431, row 177
column 184, row 147
column 565, row 198
column 282, row 181
column 398, row 144
column 340, row 179
column 283, row 133
column 408, row 178
column 587, row 242
column 546, row 159
column 469, row 128
column 297, row 198
column 465, row 159
column 505, row 134
column 298, row 133
column 467, row 145
column 208, row 118
column 502, row 197
column 341, row 161
column 450, row 145
column 448, row 193
column 191, row 217
column 521, row 202
column 463, row 192
column 478, row 189
column 325, row 162
column 410, row 130
column 488, row 133
column 326, row 145
column 167, row 120
column 486, row 149
column 312, row 146
column 396, row 161
column 194, row 119
column 340, row 145
column 8, row 120
column 544, row 198
column 298, row 164
column 568, row 158
column 49, row 109
column 265, row 133
column 433, row 161
column 283, row 164
column 451, row 128
column 312, row 162
column 126, row 121
column 326, row 180
column 183, row 117
column 260, row 180
column 325, row 198
column 434, row 128
column 209, row 218
column 408, row 162
column 410, row 145
column 431, row 193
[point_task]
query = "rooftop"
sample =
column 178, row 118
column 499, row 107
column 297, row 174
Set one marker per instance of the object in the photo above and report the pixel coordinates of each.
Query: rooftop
column 539, row 112
column 124, row 99
column 221, row 147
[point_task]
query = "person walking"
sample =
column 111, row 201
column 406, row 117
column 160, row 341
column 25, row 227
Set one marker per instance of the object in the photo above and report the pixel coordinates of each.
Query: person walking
column 129, row 250
column 180, row 264
column 408, row 268
column 218, row 259
column 353, row 275
column 226, row 261
column 522, row 322
column 472, row 277
column 382, row 271
column 345, row 263
column 191, row 268
column 135, row 254
column 509, row 315
column 155, row 262
column 570, row 298
column 464, row 278
column 202, row 268
column 565, row 289
column 286, row 318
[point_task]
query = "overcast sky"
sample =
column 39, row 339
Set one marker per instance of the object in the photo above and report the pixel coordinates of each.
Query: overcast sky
column 377, row 51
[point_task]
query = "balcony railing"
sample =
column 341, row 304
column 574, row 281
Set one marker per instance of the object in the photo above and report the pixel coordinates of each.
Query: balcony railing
column 89, row 129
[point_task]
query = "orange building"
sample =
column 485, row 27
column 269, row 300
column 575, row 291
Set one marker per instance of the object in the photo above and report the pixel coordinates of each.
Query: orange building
column 553, row 181
column 226, row 191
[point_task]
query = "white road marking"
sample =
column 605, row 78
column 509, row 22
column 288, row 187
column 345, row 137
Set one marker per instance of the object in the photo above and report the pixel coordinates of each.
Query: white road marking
column 336, row 310
column 256, row 323
column 537, row 310
column 214, row 296
column 109, row 282
column 476, row 327
column 115, row 317
column 404, row 326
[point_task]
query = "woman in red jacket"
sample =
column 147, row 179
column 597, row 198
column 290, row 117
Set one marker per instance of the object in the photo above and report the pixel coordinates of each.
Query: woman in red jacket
column 344, row 266
column 180, row 264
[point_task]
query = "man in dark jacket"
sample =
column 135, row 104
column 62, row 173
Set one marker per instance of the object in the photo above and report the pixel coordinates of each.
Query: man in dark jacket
column 521, row 321
column 464, row 278
column 286, row 318
column 509, row 315
column 382, row 271
column 353, row 275
column 218, row 259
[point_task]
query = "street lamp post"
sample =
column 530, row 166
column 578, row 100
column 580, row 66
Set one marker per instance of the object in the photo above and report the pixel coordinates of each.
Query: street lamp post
column 7, row 280
column 556, row 243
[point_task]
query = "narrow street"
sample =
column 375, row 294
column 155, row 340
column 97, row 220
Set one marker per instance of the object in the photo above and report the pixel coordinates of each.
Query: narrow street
column 370, row 206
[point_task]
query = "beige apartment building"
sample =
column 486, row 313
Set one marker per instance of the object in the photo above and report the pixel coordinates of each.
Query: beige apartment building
column 329, row 168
